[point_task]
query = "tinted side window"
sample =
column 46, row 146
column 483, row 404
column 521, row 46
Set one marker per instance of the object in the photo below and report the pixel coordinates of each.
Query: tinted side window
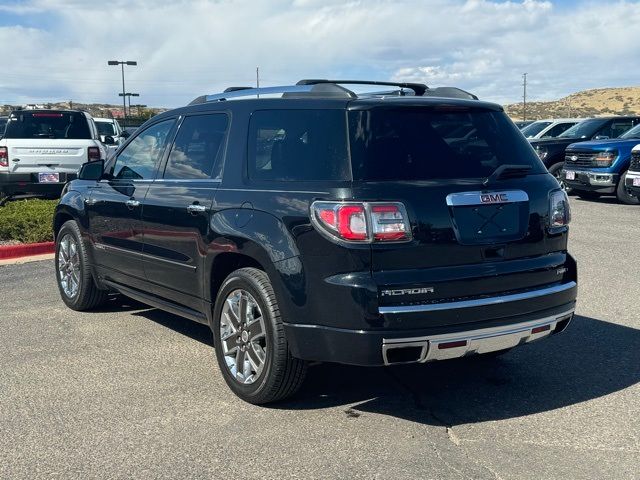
column 139, row 159
column 298, row 145
column 198, row 147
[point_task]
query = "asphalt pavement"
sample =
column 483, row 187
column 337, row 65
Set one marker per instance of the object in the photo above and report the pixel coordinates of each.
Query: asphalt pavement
column 133, row 392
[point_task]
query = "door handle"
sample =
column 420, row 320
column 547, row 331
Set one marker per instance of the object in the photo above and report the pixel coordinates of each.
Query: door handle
column 131, row 204
column 196, row 208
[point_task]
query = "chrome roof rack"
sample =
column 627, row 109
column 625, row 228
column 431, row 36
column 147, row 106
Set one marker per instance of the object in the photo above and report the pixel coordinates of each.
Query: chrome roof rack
column 418, row 88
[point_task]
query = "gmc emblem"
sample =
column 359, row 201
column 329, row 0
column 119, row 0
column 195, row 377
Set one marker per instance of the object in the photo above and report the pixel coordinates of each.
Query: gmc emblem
column 493, row 198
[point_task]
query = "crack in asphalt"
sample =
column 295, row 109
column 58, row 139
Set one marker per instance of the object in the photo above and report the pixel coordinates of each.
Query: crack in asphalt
column 451, row 436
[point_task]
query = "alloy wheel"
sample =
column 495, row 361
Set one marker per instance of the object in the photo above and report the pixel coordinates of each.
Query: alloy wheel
column 69, row 266
column 243, row 337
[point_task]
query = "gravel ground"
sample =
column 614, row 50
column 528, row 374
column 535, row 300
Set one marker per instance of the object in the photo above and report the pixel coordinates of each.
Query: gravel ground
column 132, row 392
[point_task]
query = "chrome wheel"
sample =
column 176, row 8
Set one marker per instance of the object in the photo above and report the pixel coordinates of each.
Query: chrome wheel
column 69, row 266
column 242, row 335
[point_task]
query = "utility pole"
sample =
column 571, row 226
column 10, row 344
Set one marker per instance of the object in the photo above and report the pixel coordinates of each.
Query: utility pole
column 122, row 63
column 524, row 97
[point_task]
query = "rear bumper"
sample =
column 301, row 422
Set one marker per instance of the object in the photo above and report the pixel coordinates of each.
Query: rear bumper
column 628, row 183
column 592, row 181
column 18, row 183
column 377, row 348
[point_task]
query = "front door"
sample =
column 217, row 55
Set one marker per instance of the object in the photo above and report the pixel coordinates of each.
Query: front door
column 177, row 208
column 114, row 206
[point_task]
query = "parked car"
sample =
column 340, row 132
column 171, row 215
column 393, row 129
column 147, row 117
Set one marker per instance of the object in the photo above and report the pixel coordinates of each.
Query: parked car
column 549, row 128
column 632, row 179
column 109, row 127
column 42, row 149
column 599, row 167
column 523, row 123
column 3, row 124
column 551, row 150
column 325, row 226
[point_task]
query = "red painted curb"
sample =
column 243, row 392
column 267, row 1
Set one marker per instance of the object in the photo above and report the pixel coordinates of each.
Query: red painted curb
column 26, row 250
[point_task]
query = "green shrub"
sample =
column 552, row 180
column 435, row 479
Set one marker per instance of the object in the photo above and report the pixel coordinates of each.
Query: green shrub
column 27, row 221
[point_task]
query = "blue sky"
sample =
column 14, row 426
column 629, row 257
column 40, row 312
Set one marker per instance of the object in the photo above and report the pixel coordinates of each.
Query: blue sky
column 58, row 49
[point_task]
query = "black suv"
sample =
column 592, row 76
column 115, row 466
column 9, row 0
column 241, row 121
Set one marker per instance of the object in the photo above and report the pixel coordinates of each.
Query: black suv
column 308, row 223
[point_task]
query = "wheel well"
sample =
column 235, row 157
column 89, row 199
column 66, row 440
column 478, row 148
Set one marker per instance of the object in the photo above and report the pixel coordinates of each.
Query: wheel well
column 59, row 220
column 224, row 264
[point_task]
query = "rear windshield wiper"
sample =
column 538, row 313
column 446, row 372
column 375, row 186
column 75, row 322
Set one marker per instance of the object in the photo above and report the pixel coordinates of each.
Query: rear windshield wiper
column 507, row 171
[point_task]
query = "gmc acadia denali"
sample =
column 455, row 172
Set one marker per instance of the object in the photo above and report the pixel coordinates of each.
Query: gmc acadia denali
column 308, row 223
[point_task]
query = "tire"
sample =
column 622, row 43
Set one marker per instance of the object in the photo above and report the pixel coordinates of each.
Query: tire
column 73, row 268
column 623, row 195
column 587, row 195
column 556, row 171
column 255, row 340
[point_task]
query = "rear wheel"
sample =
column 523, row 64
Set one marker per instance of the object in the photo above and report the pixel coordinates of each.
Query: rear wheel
column 73, row 272
column 624, row 195
column 249, row 339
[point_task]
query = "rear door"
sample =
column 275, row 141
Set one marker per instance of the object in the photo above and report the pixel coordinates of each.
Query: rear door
column 177, row 209
column 114, row 207
column 464, row 223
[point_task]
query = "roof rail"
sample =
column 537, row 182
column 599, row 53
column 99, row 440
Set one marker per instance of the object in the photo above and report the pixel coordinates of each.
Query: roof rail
column 418, row 88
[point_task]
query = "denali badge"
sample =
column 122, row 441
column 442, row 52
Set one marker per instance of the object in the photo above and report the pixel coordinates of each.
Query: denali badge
column 493, row 198
column 407, row 291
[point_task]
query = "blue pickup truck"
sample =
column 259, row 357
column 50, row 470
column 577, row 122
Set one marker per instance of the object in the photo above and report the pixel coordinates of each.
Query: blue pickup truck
column 599, row 167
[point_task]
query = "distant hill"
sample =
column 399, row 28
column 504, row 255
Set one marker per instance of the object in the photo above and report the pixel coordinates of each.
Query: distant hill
column 588, row 103
column 95, row 109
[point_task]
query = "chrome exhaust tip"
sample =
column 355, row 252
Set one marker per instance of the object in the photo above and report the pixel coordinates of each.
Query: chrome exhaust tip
column 404, row 352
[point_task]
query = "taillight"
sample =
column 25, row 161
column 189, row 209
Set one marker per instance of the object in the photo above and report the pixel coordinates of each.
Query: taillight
column 93, row 153
column 362, row 222
column 4, row 157
column 559, row 209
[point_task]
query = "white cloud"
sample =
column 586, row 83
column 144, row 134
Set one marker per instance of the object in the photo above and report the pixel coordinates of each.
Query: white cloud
column 186, row 48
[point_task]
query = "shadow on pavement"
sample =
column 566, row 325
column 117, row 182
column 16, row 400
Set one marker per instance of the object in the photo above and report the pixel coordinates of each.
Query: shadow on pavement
column 591, row 359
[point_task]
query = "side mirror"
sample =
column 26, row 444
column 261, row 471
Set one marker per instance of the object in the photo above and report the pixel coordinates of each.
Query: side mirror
column 92, row 170
column 108, row 140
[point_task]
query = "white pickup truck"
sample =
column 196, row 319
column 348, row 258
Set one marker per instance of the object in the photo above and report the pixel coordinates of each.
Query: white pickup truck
column 43, row 149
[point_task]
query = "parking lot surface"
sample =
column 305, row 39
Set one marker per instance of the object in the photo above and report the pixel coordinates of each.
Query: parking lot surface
column 134, row 392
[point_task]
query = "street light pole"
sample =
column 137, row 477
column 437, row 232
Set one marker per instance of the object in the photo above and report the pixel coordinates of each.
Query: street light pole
column 129, row 95
column 122, row 63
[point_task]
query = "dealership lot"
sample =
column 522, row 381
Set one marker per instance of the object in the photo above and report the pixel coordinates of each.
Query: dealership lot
column 135, row 392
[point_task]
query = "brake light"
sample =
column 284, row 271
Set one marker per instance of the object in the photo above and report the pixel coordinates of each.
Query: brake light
column 4, row 157
column 559, row 209
column 363, row 222
column 50, row 115
column 93, row 153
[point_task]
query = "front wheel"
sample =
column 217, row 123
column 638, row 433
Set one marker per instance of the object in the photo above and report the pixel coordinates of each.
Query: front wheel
column 249, row 340
column 624, row 195
column 557, row 171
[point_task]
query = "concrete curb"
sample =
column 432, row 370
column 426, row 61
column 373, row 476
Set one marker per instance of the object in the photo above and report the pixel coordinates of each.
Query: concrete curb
column 8, row 252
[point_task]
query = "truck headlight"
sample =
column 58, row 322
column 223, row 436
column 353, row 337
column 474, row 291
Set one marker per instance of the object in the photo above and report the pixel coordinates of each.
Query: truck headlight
column 604, row 159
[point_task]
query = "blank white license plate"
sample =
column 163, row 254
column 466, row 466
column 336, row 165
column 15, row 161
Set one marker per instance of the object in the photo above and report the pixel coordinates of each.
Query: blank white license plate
column 49, row 177
column 636, row 182
column 570, row 175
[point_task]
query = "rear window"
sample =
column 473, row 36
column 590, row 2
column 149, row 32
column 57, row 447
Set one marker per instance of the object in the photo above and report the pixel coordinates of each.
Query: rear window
column 298, row 145
column 420, row 144
column 69, row 125
column 106, row 128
